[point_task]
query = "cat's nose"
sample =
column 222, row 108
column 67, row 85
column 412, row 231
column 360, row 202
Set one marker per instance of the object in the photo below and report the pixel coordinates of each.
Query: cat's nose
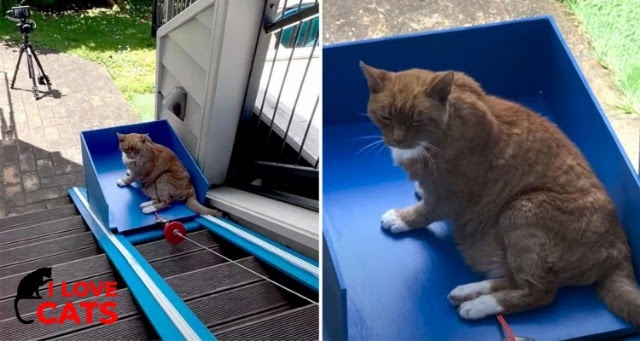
column 398, row 137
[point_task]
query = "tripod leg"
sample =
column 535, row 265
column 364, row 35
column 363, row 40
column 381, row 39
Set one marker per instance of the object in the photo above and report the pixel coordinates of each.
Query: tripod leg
column 15, row 73
column 44, row 75
column 32, row 72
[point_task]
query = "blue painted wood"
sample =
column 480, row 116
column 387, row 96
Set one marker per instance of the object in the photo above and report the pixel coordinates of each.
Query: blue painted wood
column 397, row 284
column 334, row 321
column 164, row 325
column 275, row 260
column 96, row 197
column 103, row 167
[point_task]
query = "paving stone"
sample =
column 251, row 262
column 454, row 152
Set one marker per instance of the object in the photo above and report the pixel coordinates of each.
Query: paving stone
column 41, row 153
column 45, row 194
column 10, row 175
column 45, row 168
column 10, row 154
column 27, row 161
column 34, row 121
column 63, row 180
column 30, row 181
column 15, row 196
column 7, row 143
column 12, row 190
column 68, row 133
column 36, row 170
column 51, row 133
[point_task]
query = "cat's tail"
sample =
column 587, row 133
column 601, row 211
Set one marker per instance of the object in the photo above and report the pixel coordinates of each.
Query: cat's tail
column 620, row 292
column 197, row 207
column 15, row 305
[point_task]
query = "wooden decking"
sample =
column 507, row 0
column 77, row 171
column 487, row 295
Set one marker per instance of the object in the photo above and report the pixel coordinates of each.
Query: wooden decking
column 232, row 302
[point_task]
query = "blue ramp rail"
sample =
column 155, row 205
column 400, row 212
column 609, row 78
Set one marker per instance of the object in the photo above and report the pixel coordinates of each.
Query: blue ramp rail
column 169, row 315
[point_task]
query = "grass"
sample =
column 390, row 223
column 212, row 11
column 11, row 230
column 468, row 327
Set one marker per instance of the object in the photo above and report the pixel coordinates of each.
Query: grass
column 120, row 40
column 614, row 29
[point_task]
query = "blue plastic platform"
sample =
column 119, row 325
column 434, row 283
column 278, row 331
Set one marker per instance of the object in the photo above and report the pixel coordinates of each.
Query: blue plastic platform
column 117, row 207
column 383, row 286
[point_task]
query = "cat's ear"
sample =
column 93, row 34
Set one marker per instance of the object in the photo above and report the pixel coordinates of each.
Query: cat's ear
column 120, row 137
column 145, row 138
column 441, row 88
column 375, row 77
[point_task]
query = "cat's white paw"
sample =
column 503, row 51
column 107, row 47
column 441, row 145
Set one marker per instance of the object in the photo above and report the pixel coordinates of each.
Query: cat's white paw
column 121, row 183
column 146, row 204
column 149, row 209
column 128, row 172
column 467, row 292
column 480, row 307
column 392, row 223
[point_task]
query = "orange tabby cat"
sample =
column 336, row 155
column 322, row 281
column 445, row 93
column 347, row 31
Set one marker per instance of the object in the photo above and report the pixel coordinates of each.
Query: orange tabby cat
column 160, row 174
column 526, row 209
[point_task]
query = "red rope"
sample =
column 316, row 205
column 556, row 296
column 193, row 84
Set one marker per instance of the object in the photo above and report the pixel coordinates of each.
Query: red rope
column 506, row 327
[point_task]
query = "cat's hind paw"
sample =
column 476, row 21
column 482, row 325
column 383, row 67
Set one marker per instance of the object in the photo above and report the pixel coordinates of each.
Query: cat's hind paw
column 393, row 223
column 121, row 183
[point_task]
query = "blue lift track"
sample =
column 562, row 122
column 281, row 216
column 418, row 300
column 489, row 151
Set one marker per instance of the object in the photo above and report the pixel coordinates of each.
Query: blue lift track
column 169, row 315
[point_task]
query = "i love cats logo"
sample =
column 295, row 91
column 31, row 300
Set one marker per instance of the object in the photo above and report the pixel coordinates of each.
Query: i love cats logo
column 49, row 312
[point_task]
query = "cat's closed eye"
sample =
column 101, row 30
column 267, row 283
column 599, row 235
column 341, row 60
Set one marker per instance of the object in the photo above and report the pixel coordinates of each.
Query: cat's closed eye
column 384, row 118
column 423, row 120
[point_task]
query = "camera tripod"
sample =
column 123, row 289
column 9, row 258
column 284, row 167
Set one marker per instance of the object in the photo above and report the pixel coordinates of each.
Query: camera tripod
column 31, row 56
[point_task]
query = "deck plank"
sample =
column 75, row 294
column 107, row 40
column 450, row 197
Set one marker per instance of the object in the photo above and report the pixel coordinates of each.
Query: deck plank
column 45, row 249
column 35, row 217
column 40, row 230
column 296, row 324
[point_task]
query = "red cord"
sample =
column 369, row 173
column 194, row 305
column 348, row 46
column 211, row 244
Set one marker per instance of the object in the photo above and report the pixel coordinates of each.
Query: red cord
column 506, row 327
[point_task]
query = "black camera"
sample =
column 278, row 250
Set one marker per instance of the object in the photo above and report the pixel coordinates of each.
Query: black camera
column 19, row 12
column 22, row 15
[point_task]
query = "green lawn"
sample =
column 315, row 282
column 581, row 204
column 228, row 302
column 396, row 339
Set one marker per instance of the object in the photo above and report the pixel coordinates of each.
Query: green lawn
column 120, row 40
column 614, row 29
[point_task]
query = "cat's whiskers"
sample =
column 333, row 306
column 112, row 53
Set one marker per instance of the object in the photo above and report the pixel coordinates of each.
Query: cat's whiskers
column 367, row 137
column 379, row 149
column 434, row 148
column 369, row 147
column 424, row 153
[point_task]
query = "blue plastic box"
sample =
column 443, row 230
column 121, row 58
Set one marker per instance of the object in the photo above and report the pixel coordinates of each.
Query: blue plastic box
column 117, row 207
column 381, row 286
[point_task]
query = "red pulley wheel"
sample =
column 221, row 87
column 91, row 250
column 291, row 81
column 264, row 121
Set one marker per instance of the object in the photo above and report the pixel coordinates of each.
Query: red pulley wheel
column 169, row 232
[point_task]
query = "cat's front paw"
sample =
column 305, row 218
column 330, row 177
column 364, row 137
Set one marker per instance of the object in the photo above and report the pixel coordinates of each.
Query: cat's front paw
column 121, row 183
column 480, row 307
column 393, row 223
column 128, row 172
column 149, row 209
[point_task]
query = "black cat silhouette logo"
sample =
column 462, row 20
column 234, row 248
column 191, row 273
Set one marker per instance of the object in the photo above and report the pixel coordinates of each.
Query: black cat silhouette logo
column 29, row 288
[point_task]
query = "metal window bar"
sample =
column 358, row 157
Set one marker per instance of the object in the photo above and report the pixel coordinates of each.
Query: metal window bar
column 295, row 103
column 302, row 28
column 165, row 10
column 293, row 38
column 276, row 152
